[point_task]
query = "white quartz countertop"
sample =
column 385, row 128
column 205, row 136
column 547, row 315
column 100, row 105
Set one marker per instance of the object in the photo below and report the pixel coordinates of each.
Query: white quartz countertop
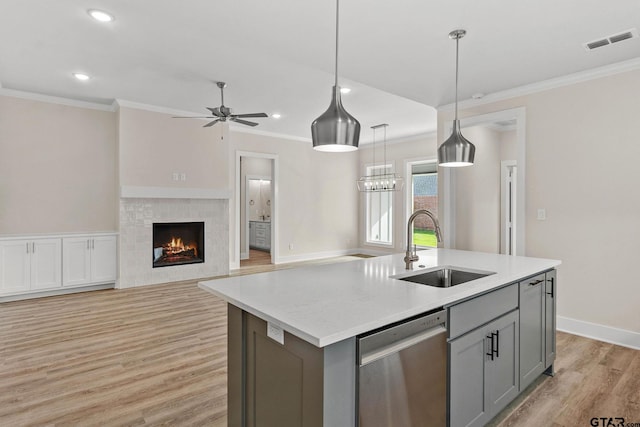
column 325, row 304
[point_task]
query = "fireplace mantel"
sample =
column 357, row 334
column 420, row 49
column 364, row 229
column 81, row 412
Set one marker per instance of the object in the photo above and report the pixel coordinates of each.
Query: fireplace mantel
column 135, row 192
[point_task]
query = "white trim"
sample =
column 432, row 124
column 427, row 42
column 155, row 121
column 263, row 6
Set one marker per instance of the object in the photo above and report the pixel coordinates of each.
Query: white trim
column 569, row 79
column 58, row 291
column 505, row 166
column 136, row 192
column 243, row 129
column 56, row 100
column 318, row 255
column 154, row 108
column 244, row 255
column 372, row 252
column 598, row 332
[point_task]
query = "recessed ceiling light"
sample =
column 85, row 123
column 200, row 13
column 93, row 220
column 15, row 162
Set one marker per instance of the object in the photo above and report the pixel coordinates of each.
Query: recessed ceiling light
column 81, row 76
column 276, row 115
column 101, row 16
column 345, row 90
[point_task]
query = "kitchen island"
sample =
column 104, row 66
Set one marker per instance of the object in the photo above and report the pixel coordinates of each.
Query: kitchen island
column 299, row 327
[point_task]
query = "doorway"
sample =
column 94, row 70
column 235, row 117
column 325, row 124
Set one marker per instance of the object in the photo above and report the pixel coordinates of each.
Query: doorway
column 256, row 209
column 422, row 193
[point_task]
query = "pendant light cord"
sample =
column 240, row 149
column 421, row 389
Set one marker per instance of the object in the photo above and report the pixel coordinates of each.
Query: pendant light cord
column 457, row 42
column 337, row 27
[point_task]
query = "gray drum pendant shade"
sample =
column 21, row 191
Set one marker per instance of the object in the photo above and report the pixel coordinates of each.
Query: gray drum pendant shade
column 335, row 130
column 457, row 150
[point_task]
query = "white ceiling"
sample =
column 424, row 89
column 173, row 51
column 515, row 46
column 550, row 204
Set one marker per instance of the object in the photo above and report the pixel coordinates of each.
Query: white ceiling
column 277, row 56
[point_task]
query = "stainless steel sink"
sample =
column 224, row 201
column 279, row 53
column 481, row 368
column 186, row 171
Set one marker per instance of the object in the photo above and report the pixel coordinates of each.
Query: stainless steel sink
column 444, row 277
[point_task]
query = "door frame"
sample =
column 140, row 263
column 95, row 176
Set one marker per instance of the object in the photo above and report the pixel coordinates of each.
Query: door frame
column 408, row 191
column 248, row 178
column 449, row 182
column 234, row 262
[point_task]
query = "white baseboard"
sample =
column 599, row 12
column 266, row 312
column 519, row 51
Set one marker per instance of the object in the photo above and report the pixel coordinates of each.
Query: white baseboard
column 244, row 255
column 316, row 255
column 55, row 292
column 598, row 332
column 375, row 252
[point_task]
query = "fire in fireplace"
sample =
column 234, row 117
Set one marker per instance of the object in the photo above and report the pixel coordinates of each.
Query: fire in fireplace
column 177, row 243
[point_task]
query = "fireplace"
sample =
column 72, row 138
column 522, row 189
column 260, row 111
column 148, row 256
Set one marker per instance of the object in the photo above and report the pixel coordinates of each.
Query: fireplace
column 177, row 243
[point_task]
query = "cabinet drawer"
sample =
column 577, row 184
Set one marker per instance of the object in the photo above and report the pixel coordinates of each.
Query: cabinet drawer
column 532, row 281
column 261, row 232
column 260, row 226
column 470, row 314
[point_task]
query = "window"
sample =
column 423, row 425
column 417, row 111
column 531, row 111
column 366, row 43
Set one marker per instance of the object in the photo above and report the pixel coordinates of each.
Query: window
column 379, row 210
column 424, row 195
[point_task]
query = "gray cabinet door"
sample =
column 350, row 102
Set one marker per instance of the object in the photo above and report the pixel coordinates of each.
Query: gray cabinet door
column 482, row 385
column 532, row 329
column 502, row 372
column 550, row 318
column 467, row 380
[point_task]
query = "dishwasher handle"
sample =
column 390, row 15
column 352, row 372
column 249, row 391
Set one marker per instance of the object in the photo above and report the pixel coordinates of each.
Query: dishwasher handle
column 397, row 346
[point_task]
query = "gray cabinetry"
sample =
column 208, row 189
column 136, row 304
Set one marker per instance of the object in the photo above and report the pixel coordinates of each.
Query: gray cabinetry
column 550, row 318
column 537, row 326
column 532, row 329
column 260, row 235
column 484, row 371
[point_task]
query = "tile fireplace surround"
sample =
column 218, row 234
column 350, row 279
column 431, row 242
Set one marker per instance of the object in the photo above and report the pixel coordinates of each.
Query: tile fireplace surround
column 137, row 215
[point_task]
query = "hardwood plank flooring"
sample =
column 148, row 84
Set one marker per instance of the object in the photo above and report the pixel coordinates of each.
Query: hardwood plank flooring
column 256, row 257
column 156, row 355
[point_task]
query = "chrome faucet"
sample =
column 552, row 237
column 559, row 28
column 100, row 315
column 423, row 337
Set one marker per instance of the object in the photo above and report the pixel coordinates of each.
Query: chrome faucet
column 410, row 255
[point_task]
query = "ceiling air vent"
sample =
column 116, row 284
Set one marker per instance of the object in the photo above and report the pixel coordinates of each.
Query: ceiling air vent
column 626, row 35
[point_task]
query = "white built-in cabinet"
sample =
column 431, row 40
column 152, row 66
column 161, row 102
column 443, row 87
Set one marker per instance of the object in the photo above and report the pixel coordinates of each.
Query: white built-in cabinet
column 44, row 264
column 88, row 260
column 29, row 265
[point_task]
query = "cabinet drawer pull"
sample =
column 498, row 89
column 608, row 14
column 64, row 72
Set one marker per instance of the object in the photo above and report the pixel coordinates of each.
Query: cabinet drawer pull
column 537, row 282
column 27, row 247
column 33, row 247
column 495, row 349
column 552, row 286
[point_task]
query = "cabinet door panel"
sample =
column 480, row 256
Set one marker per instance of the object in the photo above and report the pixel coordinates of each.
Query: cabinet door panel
column 467, row 380
column 46, row 264
column 76, row 256
column 103, row 259
column 532, row 329
column 550, row 318
column 15, row 266
column 503, row 371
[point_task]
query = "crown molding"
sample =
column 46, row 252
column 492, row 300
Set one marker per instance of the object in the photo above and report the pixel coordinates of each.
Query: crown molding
column 234, row 127
column 153, row 108
column 569, row 79
column 32, row 96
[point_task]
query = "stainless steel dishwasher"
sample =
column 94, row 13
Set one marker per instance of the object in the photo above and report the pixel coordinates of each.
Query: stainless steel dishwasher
column 402, row 374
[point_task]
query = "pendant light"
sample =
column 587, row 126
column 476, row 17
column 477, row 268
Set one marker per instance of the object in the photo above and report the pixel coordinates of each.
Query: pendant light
column 380, row 181
column 335, row 130
column 457, row 150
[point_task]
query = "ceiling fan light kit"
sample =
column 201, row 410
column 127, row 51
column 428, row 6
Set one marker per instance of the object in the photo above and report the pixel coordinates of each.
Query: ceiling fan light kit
column 335, row 130
column 456, row 151
column 224, row 113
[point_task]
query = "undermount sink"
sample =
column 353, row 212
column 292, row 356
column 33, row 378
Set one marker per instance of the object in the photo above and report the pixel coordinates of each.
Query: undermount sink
column 444, row 277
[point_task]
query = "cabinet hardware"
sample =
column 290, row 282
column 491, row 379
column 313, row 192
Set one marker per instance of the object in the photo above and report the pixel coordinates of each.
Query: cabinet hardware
column 536, row 282
column 495, row 350
column 27, row 247
column 93, row 243
column 33, row 247
column 88, row 243
column 551, row 293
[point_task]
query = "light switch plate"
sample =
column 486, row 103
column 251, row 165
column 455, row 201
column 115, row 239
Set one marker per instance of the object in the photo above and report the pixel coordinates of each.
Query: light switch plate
column 275, row 332
column 542, row 214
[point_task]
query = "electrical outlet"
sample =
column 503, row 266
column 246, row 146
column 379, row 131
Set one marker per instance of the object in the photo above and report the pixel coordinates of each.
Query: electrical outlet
column 290, row 246
column 183, row 176
column 542, row 214
column 174, row 176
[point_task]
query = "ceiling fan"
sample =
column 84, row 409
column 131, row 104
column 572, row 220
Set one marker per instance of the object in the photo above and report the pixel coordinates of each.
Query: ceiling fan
column 223, row 113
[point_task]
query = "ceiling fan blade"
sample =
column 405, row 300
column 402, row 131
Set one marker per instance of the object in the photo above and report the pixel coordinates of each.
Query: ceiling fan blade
column 199, row 117
column 250, row 115
column 243, row 122
column 211, row 123
column 214, row 111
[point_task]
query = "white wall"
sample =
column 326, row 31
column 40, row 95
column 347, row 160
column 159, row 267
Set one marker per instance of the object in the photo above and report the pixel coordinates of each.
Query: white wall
column 58, row 168
column 398, row 153
column 153, row 146
column 317, row 199
column 581, row 166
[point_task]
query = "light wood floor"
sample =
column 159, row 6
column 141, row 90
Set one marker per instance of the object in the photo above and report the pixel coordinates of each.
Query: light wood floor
column 256, row 257
column 156, row 355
